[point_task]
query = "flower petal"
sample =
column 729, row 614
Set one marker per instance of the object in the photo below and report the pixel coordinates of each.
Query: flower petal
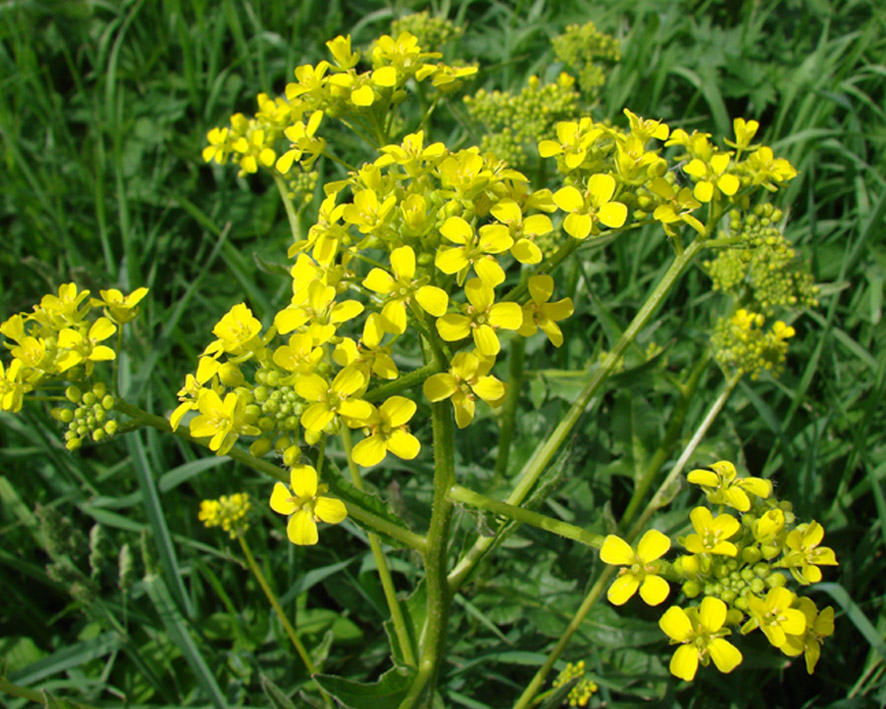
column 622, row 589
column 302, row 529
column 676, row 624
column 684, row 663
column 280, row 500
column 370, row 451
column 724, row 654
column 330, row 510
column 616, row 551
column 652, row 546
column 712, row 614
column 654, row 590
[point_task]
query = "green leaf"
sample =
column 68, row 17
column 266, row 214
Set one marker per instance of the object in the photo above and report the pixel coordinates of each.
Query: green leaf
column 66, row 658
column 278, row 700
column 386, row 693
column 414, row 613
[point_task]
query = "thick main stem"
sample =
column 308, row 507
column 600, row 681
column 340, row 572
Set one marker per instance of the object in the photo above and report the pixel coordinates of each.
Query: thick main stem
column 546, row 452
column 433, row 638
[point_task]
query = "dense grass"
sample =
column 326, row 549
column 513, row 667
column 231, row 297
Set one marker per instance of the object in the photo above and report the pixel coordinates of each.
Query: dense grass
column 103, row 112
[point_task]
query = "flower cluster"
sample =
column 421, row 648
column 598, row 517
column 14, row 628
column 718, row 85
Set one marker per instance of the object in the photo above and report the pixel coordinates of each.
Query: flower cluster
column 283, row 133
column 513, row 122
column 60, row 343
column 740, row 565
column 228, row 512
column 742, row 345
column 590, row 52
column 582, row 691
column 429, row 30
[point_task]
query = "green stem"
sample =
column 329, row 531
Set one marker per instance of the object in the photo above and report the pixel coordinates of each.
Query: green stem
column 538, row 681
column 291, row 214
column 381, row 562
column 275, row 604
column 457, row 493
column 433, row 638
column 402, row 383
column 672, row 434
column 143, row 418
column 663, row 492
column 658, row 499
column 546, row 452
column 509, row 410
column 23, row 692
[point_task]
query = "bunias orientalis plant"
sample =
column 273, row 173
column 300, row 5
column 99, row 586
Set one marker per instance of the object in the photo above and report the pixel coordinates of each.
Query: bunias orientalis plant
column 424, row 264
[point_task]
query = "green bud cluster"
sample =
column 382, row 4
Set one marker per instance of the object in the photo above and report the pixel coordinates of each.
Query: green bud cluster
column 514, row 123
column 300, row 184
column 432, row 32
column 764, row 272
column 588, row 51
column 90, row 416
column 742, row 345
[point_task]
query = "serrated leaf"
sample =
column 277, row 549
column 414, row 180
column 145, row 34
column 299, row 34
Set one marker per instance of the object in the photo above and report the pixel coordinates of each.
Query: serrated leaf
column 387, row 693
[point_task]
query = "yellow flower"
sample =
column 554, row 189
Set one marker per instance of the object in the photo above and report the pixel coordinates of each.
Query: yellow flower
column 711, row 175
column 237, row 332
column 744, row 134
column 82, row 348
column 402, row 289
column 539, row 313
column 221, row 421
column 472, row 251
column 121, row 309
column 227, row 512
column 370, row 356
column 306, row 505
column 711, row 533
column 255, row 150
column 302, row 140
column 521, row 231
column 388, row 433
column 11, row 387
column 466, row 380
column 774, row 616
column 340, row 48
column 220, row 146
column 573, row 141
column 481, row 319
column 699, row 632
column 332, row 399
column 594, row 205
column 768, row 171
column 818, row 627
column 640, row 571
column 723, row 487
column 677, row 207
column 804, row 555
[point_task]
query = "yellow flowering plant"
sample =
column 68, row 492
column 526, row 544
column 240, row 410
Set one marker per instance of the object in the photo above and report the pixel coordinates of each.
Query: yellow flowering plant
column 425, row 265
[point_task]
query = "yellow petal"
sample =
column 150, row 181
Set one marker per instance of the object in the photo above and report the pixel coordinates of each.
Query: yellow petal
column 403, row 444
column 434, row 300
column 302, row 529
column 453, row 327
column 330, row 510
column 654, row 590
column 303, row 480
column 676, row 624
column 280, row 500
column 601, row 188
column 397, row 410
column 489, row 389
column 712, row 613
column 451, row 260
column 622, row 589
column 457, row 230
column 506, row 315
column 578, row 225
column 707, row 478
column 652, row 546
column 440, row 386
column 684, row 663
column 379, row 281
column 316, row 417
column 724, row 654
column 525, row 251
column 403, row 263
column 617, row 551
column 613, row 214
column 568, row 199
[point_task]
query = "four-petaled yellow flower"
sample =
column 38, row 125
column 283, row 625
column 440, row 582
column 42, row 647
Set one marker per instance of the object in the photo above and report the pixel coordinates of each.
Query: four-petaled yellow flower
column 467, row 379
column 805, row 556
column 221, row 421
column 700, row 635
column 592, row 207
column 521, row 230
column 723, row 486
column 85, row 348
column 333, row 399
column 640, row 568
column 306, row 505
column 472, row 251
column 818, row 627
column 712, row 175
column 11, row 387
column 711, row 534
column 402, row 289
column 387, row 432
column 482, row 317
column 541, row 314
column 775, row 616
column 118, row 307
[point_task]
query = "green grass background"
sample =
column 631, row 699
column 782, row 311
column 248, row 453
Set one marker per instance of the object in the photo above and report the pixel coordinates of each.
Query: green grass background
column 104, row 107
